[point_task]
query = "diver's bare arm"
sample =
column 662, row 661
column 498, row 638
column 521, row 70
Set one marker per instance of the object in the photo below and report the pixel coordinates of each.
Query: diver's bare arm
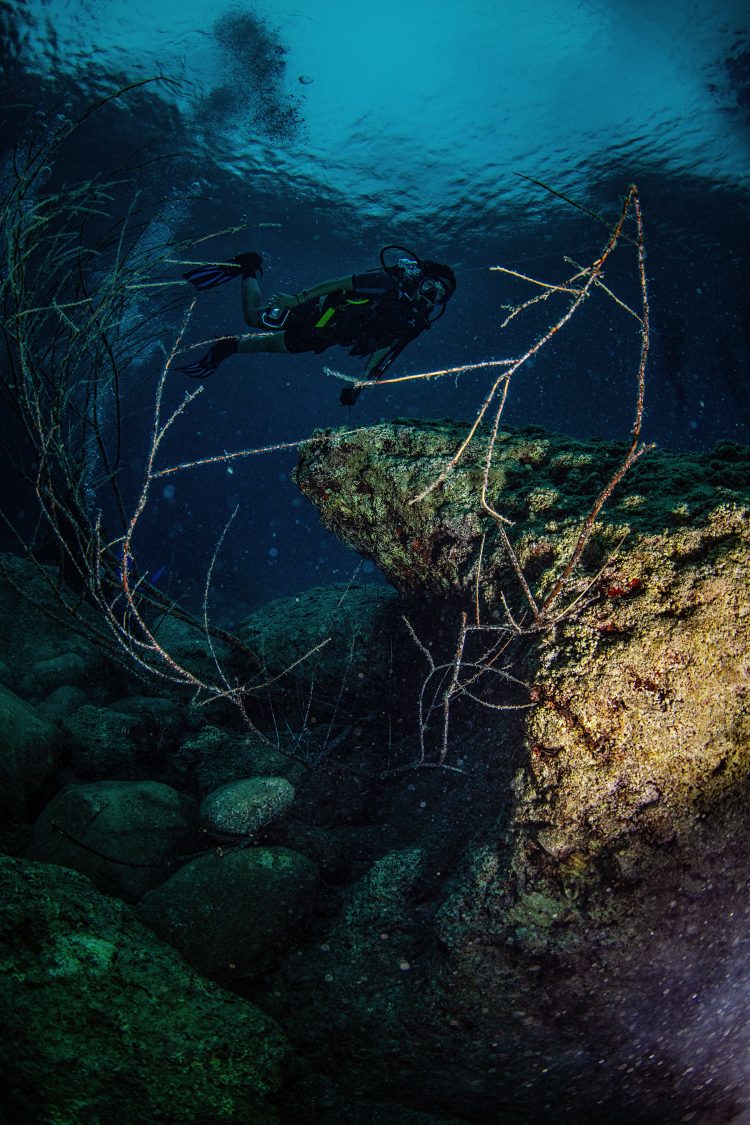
column 336, row 285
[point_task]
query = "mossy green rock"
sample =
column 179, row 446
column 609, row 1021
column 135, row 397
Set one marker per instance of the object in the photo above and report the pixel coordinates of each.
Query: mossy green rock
column 331, row 644
column 47, row 652
column 103, row 1024
column 240, row 809
column 101, row 743
column 213, row 757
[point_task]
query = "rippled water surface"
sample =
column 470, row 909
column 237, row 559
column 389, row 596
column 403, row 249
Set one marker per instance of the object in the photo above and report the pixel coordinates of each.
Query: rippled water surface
column 329, row 130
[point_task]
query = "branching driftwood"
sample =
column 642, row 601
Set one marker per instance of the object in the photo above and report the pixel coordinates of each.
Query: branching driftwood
column 458, row 678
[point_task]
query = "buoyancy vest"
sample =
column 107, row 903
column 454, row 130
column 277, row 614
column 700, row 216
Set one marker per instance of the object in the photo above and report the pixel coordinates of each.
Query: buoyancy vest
column 366, row 322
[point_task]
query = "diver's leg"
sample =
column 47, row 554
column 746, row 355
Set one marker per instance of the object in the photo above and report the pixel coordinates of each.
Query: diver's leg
column 252, row 301
column 226, row 346
column 262, row 342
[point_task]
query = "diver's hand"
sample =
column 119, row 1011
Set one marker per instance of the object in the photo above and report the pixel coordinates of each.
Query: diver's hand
column 283, row 301
column 350, row 394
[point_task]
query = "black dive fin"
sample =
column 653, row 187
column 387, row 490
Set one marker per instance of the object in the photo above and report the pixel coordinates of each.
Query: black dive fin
column 208, row 363
column 249, row 264
column 208, row 277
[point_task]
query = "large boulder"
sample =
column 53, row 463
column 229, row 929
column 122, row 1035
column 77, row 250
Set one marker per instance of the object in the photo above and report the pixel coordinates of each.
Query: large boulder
column 132, row 737
column 62, row 702
column 215, row 756
column 103, row 1022
column 101, row 742
column 326, row 651
column 641, row 727
column 188, row 644
column 50, row 645
column 127, row 836
column 231, row 914
column 365, row 484
column 557, row 929
column 241, row 809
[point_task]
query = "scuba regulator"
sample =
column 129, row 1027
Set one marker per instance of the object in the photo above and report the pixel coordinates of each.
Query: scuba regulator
column 409, row 266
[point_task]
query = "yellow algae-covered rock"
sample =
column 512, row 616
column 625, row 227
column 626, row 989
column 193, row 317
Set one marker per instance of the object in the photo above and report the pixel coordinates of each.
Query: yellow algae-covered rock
column 571, row 903
column 642, row 721
column 365, row 483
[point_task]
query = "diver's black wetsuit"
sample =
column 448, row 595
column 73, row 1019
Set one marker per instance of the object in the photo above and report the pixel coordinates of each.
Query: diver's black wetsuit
column 376, row 313
column 381, row 312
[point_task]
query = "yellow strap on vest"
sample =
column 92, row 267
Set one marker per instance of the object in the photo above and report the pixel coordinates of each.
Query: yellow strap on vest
column 325, row 318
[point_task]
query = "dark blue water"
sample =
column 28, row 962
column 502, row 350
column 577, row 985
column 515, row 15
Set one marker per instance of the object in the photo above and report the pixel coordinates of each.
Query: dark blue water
column 326, row 132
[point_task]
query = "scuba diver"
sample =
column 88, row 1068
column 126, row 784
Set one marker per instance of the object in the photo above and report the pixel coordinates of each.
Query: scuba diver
column 374, row 314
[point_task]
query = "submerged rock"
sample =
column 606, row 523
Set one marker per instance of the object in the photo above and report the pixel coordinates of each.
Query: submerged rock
column 329, row 645
column 240, row 809
column 642, row 719
column 103, row 1022
column 29, row 750
column 66, row 670
column 132, row 737
column 102, row 744
column 214, row 756
column 365, row 483
column 61, row 703
column 579, row 951
column 190, row 647
column 232, row 914
column 127, row 836
column 46, row 640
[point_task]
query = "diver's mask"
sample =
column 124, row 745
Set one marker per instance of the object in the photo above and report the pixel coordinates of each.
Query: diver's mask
column 433, row 290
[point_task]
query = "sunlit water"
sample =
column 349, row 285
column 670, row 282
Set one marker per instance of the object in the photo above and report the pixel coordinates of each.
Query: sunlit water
column 329, row 130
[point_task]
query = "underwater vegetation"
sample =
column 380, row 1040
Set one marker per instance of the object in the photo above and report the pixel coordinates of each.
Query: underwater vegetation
column 469, row 847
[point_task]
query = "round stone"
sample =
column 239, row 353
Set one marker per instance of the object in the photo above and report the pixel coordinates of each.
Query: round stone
column 243, row 807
